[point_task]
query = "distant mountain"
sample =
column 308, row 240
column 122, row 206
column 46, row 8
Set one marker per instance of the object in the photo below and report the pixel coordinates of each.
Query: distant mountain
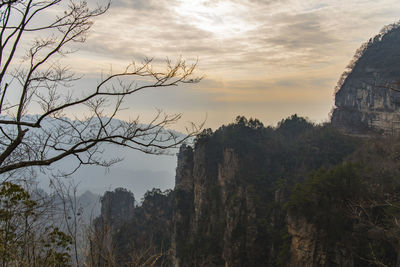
column 137, row 171
column 90, row 204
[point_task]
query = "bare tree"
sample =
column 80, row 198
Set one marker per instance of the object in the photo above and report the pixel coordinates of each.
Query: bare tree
column 41, row 81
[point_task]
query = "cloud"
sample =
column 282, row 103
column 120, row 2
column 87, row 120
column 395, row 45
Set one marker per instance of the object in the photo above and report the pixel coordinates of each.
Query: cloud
column 141, row 4
column 301, row 31
column 270, row 48
column 162, row 31
column 236, row 34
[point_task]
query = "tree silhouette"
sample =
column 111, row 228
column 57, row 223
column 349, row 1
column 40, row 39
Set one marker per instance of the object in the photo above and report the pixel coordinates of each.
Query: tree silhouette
column 42, row 81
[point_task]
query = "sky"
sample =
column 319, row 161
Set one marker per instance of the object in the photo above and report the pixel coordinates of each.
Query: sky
column 266, row 59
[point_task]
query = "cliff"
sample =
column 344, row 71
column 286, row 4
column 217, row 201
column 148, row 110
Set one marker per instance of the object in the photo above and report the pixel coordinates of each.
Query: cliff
column 311, row 247
column 347, row 215
column 231, row 188
column 212, row 213
column 364, row 100
column 248, row 195
column 126, row 234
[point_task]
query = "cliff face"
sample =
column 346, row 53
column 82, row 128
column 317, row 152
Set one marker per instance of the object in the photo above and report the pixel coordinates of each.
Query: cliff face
column 299, row 195
column 311, row 247
column 296, row 195
column 117, row 208
column 230, row 191
column 133, row 235
column 364, row 99
column 218, row 228
column 183, row 204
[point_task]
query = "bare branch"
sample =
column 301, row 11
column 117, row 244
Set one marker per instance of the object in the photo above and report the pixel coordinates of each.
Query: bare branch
column 42, row 81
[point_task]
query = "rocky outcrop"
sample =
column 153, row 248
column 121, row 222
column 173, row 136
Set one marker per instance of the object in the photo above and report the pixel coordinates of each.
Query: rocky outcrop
column 218, row 227
column 246, row 195
column 183, row 204
column 117, row 208
column 195, row 218
column 310, row 247
column 365, row 99
column 133, row 235
column 231, row 189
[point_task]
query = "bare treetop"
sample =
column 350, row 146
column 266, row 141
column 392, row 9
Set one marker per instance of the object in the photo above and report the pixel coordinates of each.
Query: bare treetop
column 40, row 80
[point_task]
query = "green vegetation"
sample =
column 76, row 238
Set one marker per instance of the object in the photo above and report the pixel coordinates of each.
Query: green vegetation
column 344, row 190
column 356, row 204
column 130, row 235
column 328, row 190
column 347, row 189
column 26, row 238
column 270, row 162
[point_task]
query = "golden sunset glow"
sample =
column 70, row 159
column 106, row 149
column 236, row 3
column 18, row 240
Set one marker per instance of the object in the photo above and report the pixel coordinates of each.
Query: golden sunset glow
column 224, row 19
column 253, row 54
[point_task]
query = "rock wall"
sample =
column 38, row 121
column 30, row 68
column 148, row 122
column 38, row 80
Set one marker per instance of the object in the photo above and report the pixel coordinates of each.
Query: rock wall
column 130, row 235
column 183, row 205
column 310, row 247
column 365, row 99
column 231, row 190
column 214, row 216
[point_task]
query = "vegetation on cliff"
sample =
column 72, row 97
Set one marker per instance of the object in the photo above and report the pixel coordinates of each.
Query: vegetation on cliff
column 356, row 203
column 253, row 195
column 243, row 214
column 127, row 234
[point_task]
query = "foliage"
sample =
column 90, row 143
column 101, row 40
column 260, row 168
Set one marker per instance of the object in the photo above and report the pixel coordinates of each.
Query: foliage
column 347, row 188
column 25, row 238
column 251, row 123
column 283, row 255
column 328, row 190
column 363, row 204
column 133, row 235
column 270, row 162
column 365, row 49
column 293, row 126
